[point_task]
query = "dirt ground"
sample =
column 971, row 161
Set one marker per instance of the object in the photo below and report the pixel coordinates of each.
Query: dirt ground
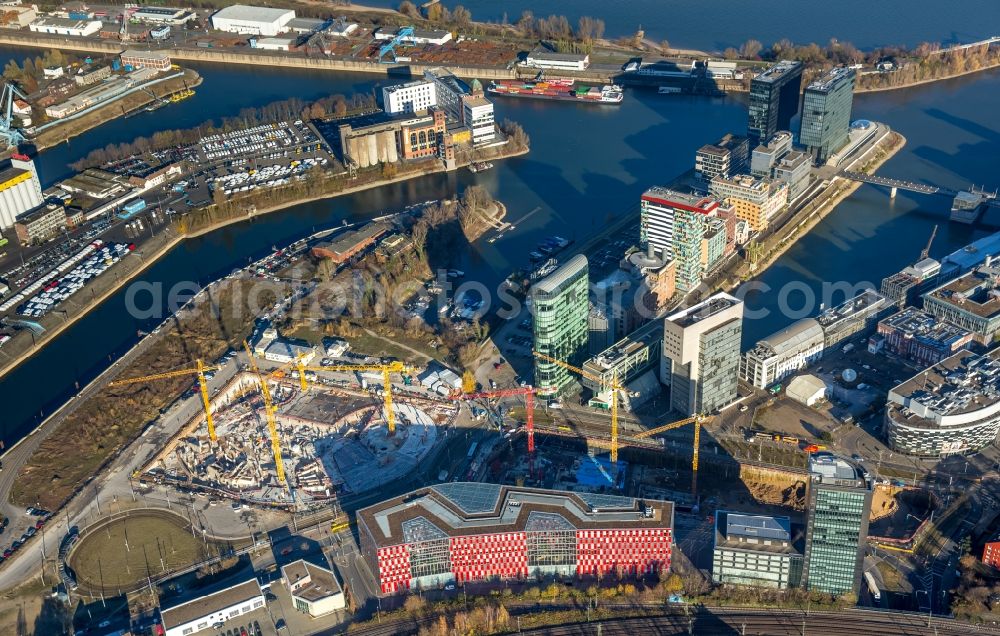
column 774, row 488
column 20, row 609
column 788, row 417
column 884, row 501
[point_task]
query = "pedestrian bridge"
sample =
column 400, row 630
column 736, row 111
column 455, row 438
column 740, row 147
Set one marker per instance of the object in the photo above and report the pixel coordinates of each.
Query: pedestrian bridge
column 897, row 184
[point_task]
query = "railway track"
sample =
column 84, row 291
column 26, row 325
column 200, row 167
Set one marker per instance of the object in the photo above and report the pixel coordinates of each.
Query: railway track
column 726, row 621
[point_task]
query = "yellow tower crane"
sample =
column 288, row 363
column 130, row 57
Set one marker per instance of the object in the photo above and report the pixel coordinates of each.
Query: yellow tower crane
column 269, row 410
column 697, row 420
column 611, row 385
column 198, row 371
column 386, row 369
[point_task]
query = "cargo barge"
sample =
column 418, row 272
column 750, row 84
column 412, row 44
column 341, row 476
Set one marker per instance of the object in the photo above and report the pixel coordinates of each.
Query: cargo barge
column 559, row 90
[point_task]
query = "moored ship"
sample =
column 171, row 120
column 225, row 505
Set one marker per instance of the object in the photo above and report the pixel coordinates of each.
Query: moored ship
column 558, row 89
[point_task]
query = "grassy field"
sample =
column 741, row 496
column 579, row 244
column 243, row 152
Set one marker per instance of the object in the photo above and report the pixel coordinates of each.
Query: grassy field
column 155, row 544
column 90, row 435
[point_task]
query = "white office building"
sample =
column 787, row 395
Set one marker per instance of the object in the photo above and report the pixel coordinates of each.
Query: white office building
column 783, row 353
column 411, row 97
column 20, row 189
column 247, row 20
column 700, row 354
column 448, row 90
column 314, row 589
column 219, row 607
column 477, row 113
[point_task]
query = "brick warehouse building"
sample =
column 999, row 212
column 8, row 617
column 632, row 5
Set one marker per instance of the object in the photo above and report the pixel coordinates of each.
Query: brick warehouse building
column 463, row 531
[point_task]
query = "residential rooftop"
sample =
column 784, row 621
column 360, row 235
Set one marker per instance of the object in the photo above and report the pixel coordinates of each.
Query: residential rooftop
column 322, row 582
column 724, row 146
column 977, row 292
column 827, row 81
column 685, row 201
column 789, row 339
column 705, row 309
column 919, row 324
column 958, row 385
column 860, row 303
column 829, row 469
column 209, row 604
column 757, row 533
column 778, row 71
column 551, row 283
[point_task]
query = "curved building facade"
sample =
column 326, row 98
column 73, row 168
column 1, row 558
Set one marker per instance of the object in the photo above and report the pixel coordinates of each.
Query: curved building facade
column 951, row 408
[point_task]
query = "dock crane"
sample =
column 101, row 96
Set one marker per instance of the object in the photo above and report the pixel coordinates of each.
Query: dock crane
column 198, row 371
column 385, row 369
column 12, row 136
column 611, row 385
column 927, row 250
column 390, row 46
column 269, row 411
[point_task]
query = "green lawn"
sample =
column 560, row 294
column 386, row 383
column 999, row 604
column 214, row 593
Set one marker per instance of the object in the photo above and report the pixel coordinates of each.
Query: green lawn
column 154, row 544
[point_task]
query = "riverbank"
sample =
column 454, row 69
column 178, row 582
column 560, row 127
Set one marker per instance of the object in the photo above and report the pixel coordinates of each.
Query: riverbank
column 882, row 89
column 257, row 57
column 123, row 107
column 253, row 57
column 166, row 241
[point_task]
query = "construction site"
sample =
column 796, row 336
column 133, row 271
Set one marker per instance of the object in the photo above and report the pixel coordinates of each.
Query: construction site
column 297, row 443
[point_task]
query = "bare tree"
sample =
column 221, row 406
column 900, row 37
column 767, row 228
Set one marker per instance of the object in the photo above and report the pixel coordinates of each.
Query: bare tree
column 408, row 9
column 750, row 49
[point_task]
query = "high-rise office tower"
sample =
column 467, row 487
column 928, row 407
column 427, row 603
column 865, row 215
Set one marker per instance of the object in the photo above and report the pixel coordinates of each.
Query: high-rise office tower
column 840, row 502
column 561, row 311
column 826, row 113
column 774, row 100
column 701, row 351
column 674, row 224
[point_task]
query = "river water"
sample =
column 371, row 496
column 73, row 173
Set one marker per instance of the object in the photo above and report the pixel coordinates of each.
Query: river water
column 712, row 25
column 587, row 165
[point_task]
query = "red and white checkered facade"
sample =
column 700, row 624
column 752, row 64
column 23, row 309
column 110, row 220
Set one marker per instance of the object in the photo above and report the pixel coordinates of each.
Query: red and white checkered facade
column 484, row 556
column 394, row 568
column 635, row 551
column 505, row 555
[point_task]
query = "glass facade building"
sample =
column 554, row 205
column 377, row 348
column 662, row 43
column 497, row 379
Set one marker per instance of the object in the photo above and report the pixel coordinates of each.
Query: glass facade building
column 774, row 100
column 561, row 310
column 826, row 113
column 839, row 508
column 701, row 353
